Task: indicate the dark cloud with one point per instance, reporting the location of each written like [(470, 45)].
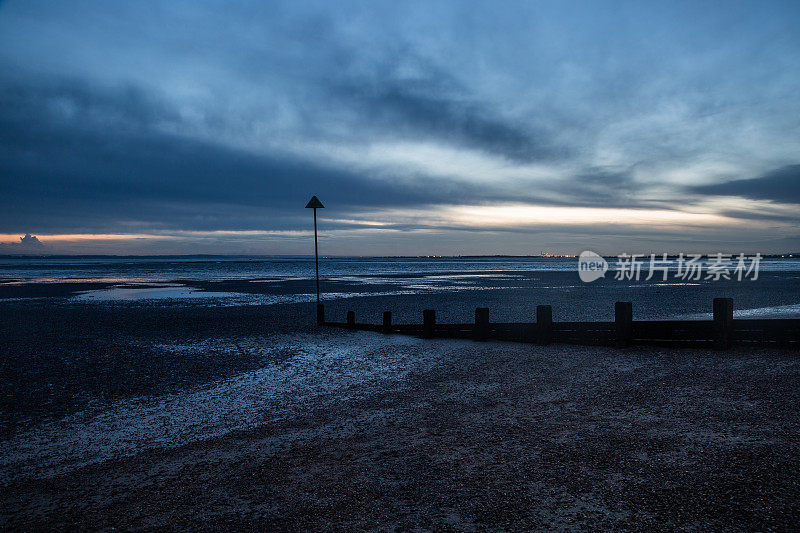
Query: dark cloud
[(602, 187), (80, 159), (73, 161), (761, 215), (417, 109), (781, 185)]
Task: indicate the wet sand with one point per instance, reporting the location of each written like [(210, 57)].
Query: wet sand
[(182, 416)]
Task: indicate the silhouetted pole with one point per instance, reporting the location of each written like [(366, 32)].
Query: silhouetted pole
[(316, 253), (315, 204)]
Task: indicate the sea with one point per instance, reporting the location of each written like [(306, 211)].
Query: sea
[(766, 287)]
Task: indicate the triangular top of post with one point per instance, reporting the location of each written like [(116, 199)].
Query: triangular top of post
[(315, 203)]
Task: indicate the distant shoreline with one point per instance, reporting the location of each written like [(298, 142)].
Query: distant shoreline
[(785, 255)]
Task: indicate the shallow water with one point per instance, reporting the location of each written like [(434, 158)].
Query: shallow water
[(268, 268), (236, 281), (160, 292)]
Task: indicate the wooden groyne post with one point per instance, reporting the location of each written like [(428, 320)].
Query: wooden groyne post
[(429, 323), (544, 324), (623, 323), (481, 328), (722, 332), (320, 314), (723, 322)]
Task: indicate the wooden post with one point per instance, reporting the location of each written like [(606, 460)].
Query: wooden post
[(723, 322), (387, 321), (480, 331), (544, 324), (351, 319), (320, 314), (623, 319), (429, 323)]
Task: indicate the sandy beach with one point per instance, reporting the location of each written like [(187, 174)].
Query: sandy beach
[(272, 423)]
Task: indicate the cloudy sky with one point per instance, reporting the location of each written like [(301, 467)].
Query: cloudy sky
[(425, 127)]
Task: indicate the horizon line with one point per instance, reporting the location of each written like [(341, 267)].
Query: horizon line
[(786, 255)]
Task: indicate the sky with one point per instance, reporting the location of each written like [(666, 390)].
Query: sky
[(426, 128)]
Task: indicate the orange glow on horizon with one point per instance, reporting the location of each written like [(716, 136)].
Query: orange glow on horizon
[(9, 238), (69, 237)]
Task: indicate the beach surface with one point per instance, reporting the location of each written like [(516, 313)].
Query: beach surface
[(186, 416)]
